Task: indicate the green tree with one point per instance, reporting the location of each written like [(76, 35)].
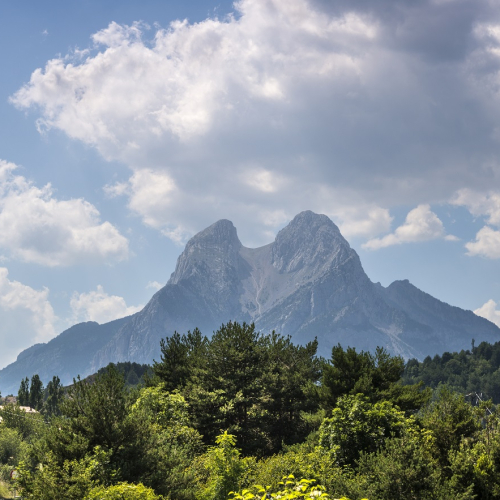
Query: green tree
[(122, 491), (71, 481), (374, 375), (256, 387), (28, 425), (356, 426), (11, 445), (289, 377), (451, 419), (23, 395), (167, 442), (403, 468), (181, 355), (55, 393), (36, 393), (232, 370), (97, 410), (221, 469)]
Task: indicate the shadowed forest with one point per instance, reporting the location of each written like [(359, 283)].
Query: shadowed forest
[(243, 415)]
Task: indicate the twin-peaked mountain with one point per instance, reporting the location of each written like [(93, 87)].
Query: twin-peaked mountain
[(308, 283)]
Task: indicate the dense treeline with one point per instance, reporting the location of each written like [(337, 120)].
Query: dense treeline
[(469, 372), (218, 415)]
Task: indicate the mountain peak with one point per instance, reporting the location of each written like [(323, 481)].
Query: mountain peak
[(217, 245), (309, 239), (221, 232), (308, 216)]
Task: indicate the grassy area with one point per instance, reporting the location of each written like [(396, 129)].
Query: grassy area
[(4, 491)]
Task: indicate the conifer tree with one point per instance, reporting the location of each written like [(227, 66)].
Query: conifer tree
[(36, 393), (23, 395)]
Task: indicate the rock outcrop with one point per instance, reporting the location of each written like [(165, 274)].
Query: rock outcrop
[(308, 283)]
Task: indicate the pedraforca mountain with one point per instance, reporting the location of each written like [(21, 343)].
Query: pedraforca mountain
[(308, 283)]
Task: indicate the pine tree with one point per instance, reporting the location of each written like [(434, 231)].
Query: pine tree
[(23, 395), (55, 393), (36, 393)]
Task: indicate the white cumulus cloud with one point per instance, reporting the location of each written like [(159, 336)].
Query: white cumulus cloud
[(487, 244), (480, 204), (265, 111), (487, 205), (37, 227), (489, 311), (99, 306), (421, 224), (364, 221), (27, 317)]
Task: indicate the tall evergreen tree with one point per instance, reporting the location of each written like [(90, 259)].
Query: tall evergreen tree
[(377, 376), (23, 395), (181, 355), (36, 393), (55, 393), (289, 378)]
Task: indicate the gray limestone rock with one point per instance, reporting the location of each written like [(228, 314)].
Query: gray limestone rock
[(309, 283)]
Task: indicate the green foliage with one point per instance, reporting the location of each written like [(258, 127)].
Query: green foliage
[(133, 373), (31, 394), (23, 395), (94, 414), (161, 407), (465, 371), (289, 377), (72, 481), (475, 465), (374, 375), (180, 357), (168, 443), (122, 491), (289, 489), (220, 469), (302, 461), (381, 439), (403, 468), (36, 393), (255, 387), (451, 419), (356, 426), (11, 445), (28, 425), (98, 410), (5, 491), (55, 394)]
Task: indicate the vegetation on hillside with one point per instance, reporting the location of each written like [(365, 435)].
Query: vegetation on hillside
[(243, 415), (475, 372)]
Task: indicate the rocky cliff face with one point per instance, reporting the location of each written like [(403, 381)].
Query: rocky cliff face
[(308, 283)]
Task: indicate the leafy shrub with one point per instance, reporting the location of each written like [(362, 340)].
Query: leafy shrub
[(356, 426), (288, 489), (123, 491)]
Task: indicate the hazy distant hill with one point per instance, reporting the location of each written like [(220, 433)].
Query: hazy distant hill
[(308, 283)]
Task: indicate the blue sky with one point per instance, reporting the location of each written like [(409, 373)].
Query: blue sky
[(127, 127)]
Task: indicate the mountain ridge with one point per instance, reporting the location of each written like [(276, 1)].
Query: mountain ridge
[(307, 283)]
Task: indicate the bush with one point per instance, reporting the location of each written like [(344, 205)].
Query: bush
[(123, 491), (288, 489), (357, 425)]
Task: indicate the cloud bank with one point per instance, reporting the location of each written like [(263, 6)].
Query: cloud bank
[(25, 311), (345, 108), (486, 205), (421, 224), (490, 312), (37, 227), (99, 306)]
